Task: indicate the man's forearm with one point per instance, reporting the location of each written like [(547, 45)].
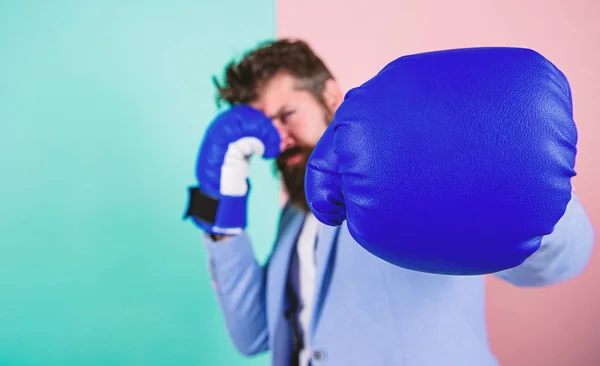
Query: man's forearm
[(239, 285), (563, 254)]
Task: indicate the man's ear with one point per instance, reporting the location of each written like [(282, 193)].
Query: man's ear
[(332, 95)]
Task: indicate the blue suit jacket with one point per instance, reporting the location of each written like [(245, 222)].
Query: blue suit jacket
[(368, 312)]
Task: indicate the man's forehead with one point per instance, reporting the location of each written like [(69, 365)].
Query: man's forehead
[(275, 94)]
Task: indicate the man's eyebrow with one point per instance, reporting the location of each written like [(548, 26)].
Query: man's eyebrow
[(279, 113)]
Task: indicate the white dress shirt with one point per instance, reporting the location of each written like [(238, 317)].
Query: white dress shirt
[(302, 277)]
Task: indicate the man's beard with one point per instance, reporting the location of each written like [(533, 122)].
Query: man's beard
[(293, 175)]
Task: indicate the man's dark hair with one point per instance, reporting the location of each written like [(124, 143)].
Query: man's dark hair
[(243, 80)]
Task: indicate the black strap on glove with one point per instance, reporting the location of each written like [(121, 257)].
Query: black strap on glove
[(201, 206)]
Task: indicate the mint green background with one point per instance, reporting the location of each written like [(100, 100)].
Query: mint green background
[(102, 107)]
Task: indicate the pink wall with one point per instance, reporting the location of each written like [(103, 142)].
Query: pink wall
[(558, 325)]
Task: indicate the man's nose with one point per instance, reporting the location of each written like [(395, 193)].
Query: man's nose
[(286, 140)]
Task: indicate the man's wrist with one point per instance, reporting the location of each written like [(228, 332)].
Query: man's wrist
[(219, 237)]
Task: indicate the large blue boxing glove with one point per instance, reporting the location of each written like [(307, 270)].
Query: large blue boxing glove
[(452, 162), (218, 204)]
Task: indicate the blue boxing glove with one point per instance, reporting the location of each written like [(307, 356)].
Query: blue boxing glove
[(219, 203), (451, 162)]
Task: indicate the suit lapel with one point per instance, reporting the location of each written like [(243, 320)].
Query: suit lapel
[(325, 245), (278, 269)]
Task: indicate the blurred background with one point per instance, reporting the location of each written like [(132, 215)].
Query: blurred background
[(103, 105)]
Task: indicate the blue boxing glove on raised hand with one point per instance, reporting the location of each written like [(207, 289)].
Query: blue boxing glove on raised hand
[(452, 162), (219, 203)]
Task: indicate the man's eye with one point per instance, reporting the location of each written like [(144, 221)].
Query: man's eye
[(286, 115)]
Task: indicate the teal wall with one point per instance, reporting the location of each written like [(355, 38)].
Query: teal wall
[(102, 107)]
